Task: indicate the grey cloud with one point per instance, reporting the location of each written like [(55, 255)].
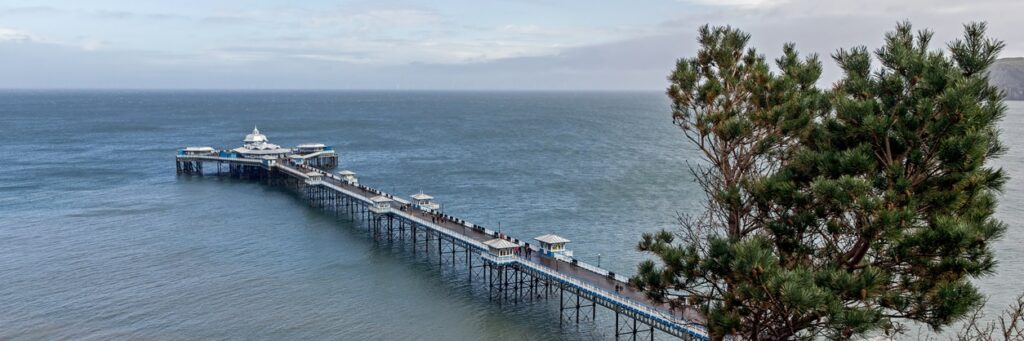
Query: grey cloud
[(640, 63), (29, 10), (98, 14), (226, 20), (105, 14)]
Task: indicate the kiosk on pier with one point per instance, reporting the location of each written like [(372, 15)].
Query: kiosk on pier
[(308, 148), (314, 178), (197, 151), (381, 204), (501, 248), (349, 177), (551, 244), (425, 202)]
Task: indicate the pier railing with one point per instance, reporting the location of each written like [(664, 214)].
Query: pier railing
[(688, 327), (404, 214)]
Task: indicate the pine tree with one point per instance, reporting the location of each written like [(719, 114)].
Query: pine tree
[(834, 214)]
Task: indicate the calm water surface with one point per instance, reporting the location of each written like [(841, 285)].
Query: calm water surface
[(99, 239)]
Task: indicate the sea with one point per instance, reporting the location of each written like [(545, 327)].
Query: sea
[(100, 239)]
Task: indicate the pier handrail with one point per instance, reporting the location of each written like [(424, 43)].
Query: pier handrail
[(420, 221), (636, 305), (312, 155), (460, 237), (218, 158), (488, 255), (692, 327), (592, 268), (294, 171)]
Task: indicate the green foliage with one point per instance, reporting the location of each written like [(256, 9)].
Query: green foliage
[(834, 213)]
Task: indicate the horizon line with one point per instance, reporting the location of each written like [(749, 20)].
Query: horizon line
[(325, 89)]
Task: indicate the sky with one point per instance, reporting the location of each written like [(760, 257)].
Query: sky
[(435, 45)]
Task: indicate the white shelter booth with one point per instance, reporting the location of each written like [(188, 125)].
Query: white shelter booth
[(349, 177), (381, 204), (307, 148), (198, 150), (551, 244), (425, 202), (314, 178), (500, 247)]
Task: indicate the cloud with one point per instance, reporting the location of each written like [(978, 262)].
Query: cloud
[(784, 9), (822, 27), (349, 33), (739, 3), (47, 11), (227, 19), (15, 35), (28, 10), (417, 48), (389, 18)]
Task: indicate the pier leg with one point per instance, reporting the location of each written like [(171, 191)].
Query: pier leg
[(616, 324), (577, 308), (561, 307)]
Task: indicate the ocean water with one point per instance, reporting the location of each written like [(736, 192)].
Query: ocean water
[(100, 239)]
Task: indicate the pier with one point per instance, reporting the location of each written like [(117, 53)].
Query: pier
[(514, 271)]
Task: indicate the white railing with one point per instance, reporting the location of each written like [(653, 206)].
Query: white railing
[(432, 226), (347, 192), (695, 328), (600, 271), (314, 154), (218, 158), (498, 259), (440, 229), (292, 170), (690, 326)]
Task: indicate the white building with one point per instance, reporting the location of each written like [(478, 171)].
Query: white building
[(256, 145), (307, 148), (198, 150), (551, 244), (314, 178), (500, 247), (349, 177), (425, 202), (381, 204)]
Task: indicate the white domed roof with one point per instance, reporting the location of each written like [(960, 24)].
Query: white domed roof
[(255, 137)]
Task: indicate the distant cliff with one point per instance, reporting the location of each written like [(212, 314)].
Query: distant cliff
[(1008, 74)]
